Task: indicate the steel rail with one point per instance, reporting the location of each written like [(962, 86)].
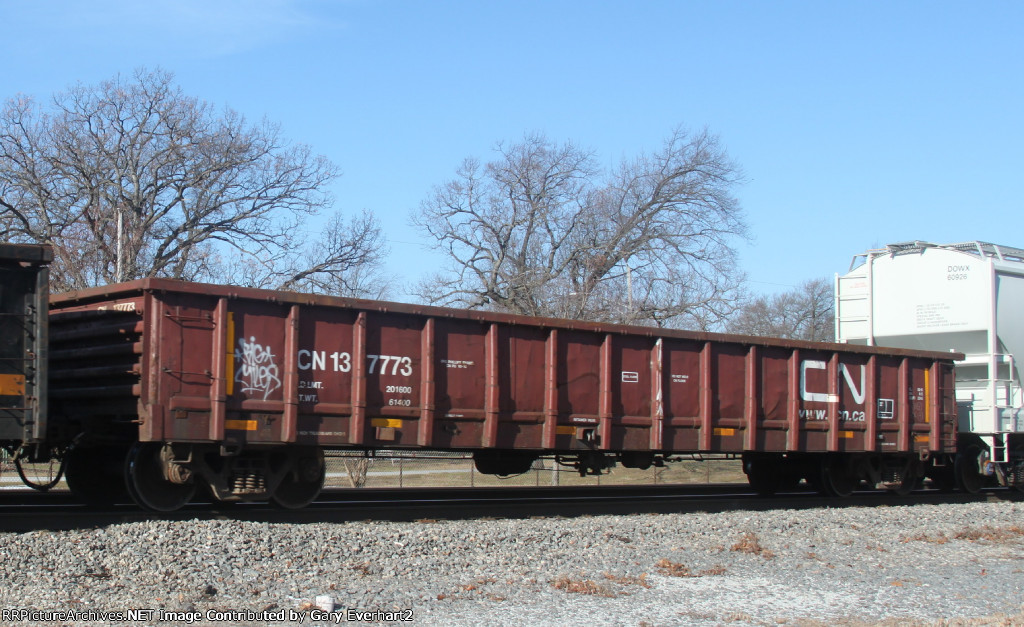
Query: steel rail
[(431, 505)]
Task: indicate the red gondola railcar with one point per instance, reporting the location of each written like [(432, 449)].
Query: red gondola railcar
[(242, 389)]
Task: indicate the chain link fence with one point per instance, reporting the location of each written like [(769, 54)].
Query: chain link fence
[(444, 469)]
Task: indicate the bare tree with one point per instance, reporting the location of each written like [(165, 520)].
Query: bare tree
[(804, 313), (132, 178), (357, 470), (542, 231), (344, 261)]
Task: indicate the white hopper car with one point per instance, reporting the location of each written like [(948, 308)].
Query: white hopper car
[(966, 297)]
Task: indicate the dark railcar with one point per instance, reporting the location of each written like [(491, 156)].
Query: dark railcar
[(242, 389), (23, 296)]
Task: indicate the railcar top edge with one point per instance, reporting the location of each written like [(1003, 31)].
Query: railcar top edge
[(231, 292)]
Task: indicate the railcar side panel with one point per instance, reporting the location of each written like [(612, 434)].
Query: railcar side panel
[(202, 363)]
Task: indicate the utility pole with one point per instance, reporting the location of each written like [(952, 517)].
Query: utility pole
[(119, 266)]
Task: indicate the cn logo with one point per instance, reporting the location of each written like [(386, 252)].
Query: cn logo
[(823, 397)]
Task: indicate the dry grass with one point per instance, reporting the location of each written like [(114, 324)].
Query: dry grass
[(748, 543), (991, 534), (673, 569), (1003, 620), (628, 580), (475, 590), (997, 535), (581, 586)]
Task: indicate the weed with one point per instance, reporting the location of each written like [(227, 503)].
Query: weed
[(581, 586), (673, 569), (1006, 534), (749, 543), (620, 538), (998, 535), (739, 617), (628, 580)]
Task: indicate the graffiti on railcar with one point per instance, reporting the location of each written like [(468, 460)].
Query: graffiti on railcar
[(257, 371)]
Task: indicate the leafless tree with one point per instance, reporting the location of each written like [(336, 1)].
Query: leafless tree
[(344, 261), (541, 230), (131, 178), (357, 469), (804, 313)]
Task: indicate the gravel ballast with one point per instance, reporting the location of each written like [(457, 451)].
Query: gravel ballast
[(906, 564)]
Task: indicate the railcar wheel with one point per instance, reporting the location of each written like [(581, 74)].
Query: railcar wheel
[(764, 484), (764, 476), (95, 475), (907, 479), (835, 478), (1018, 476), (144, 477), (943, 478), (303, 482), (968, 475)]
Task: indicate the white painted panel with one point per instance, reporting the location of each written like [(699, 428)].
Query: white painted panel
[(1010, 318), (933, 291)]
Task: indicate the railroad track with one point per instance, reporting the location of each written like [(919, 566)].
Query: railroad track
[(21, 512)]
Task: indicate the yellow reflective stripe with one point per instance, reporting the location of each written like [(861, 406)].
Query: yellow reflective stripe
[(927, 396), (12, 385), (240, 425), (394, 423)]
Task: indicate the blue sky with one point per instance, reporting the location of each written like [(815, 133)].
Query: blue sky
[(856, 123)]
